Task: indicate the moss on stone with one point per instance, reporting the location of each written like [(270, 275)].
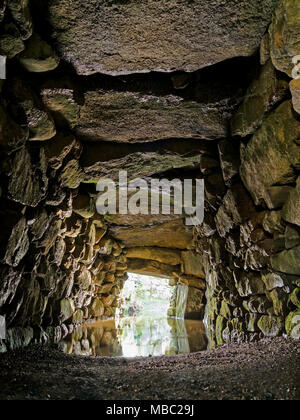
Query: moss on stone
[(270, 326), (220, 326), (292, 324), (67, 309), (225, 310), (279, 299), (295, 297)]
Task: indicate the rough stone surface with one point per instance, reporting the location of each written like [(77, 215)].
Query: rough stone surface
[(272, 153), (270, 326), (39, 56), (154, 35), (291, 209), (138, 161), (135, 117), (295, 90), (20, 11), (62, 104), (151, 268), (287, 261), (167, 235), (284, 35), (261, 96), (11, 43), (192, 264), (28, 184), (166, 256)]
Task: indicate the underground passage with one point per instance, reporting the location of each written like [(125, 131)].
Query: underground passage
[(150, 199)]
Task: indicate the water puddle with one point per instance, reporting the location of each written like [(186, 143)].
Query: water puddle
[(134, 336)]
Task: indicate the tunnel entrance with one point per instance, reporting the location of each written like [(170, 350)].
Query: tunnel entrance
[(144, 324), (146, 297)]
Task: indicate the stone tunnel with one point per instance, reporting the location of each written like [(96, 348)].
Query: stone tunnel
[(177, 89)]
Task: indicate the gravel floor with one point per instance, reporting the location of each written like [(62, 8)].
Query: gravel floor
[(268, 370)]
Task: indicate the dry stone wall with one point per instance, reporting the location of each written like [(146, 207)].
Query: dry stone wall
[(190, 107)]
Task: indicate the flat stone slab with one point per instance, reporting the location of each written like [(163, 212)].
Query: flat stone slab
[(138, 117), (122, 37), (166, 235)]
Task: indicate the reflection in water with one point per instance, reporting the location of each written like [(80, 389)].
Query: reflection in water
[(131, 337)]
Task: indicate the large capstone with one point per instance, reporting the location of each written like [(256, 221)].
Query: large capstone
[(154, 35)]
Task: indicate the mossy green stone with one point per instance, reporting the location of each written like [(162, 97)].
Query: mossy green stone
[(271, 326), (225, 310), (292, 324), (220, 325), (295, 297)]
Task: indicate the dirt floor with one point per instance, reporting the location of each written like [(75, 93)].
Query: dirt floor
[(268, 370)]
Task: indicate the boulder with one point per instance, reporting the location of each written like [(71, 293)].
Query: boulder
[(287, 261), (273, 280), (295, 90), (292, 237), (290, 211), (152, 35), (67, 309), (191, 281), (270, 326), (18, 243), (237, 208), (229, 154), (20, 12), (83, 278), (292, 324), (284, 35), (259, 305), (248, 284), (264, 92), (192, 264), (50, 236), (28, 183), (59, 148), (106, 288), (265, 53), (108, 301), (40, 123), (271, 155), (273, 222), (62, 105), (11, 43), (279, 299), (39, 56), (11, 279), (97, 308), (295, 297), (71, 175)]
